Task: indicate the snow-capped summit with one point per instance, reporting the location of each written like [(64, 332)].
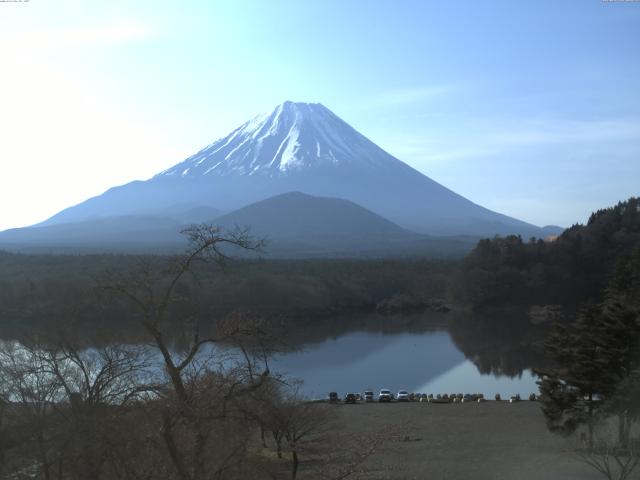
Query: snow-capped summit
[(293, 137)]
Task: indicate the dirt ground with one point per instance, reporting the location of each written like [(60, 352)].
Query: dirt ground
[(491, 440)]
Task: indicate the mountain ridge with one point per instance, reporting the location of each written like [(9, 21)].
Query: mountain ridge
[(295, 224), (306, 148)]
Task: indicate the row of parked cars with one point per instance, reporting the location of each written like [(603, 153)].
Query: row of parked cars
[(385, 395)]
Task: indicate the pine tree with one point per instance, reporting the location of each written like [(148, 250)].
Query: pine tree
[(619, 331), (598, 359), (572, 394)]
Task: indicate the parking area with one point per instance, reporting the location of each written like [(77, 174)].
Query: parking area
[(490, 440)]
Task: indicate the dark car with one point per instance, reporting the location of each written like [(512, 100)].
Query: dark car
[(333, 397), (350, 398)]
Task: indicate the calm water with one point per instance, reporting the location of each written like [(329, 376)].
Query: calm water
[(426, 362), (395, 357)]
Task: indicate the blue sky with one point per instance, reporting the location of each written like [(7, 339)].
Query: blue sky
[(529, 108)]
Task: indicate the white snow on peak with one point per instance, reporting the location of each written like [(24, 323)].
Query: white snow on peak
[(288, 158), (293, 137)]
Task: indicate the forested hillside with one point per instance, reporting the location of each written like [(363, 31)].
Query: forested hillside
[(49, 290), (566, 270)]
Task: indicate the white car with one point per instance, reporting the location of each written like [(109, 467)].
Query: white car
[(368, 396), (385, 395), (403, 396)]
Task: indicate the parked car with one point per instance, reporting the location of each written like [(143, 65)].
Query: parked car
[(403, 396), (350, 398), (439, 399), (333, 397), (385, 395), (368, 395)]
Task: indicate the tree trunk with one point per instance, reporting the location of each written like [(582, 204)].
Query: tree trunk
[(294, 464), (43, 456), (590, 421), (278, 439), (627, 430), (60, 467), (621, 428), (264, 442), (199, 451), (174, 454)]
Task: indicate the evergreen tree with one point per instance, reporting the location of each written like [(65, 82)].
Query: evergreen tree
[(620, 333), (598, 359), (572, 394)]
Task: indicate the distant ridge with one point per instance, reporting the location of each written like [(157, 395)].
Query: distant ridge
[(296, 225)]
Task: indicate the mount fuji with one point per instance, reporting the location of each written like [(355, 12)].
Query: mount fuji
[(297, 147)]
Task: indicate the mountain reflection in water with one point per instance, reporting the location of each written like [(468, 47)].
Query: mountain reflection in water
[(426, 361), (426, 353)]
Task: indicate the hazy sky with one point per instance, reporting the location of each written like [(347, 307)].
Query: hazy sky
[(528, 108)]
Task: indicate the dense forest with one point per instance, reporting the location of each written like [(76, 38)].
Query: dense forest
[(47, 290), (567, 270)]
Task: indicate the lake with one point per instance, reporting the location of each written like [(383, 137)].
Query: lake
[(417, 354), (425, 362)]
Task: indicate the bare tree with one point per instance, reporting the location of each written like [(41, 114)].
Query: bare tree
[(153, 293), (304, 424), (65, 402), (308, 439), (203, 384), (98, 383), (32, 392), (613, 459)]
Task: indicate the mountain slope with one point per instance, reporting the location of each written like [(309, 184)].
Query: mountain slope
[(295, 225), (306, 148), (129, 233), (300, 225), (134, 232), (297, 215)]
